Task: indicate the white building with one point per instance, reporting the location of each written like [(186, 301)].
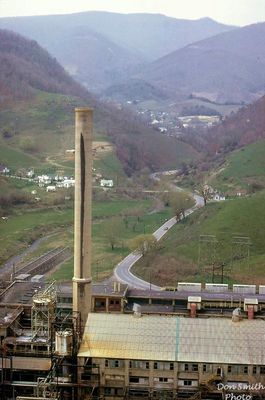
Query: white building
[(219, 197), (44, 179), (106, 182), (30, 173), (50, 188), (68, 183)]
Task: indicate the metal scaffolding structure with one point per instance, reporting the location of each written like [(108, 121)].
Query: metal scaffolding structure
[(43, 312)]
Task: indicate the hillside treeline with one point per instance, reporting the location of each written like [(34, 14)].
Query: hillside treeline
[(240, 128), (25, 67)]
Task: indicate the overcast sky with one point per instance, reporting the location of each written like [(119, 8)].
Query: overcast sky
[(236, 12)]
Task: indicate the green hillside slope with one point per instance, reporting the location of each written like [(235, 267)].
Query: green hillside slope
[(185, 257), (244, 170)]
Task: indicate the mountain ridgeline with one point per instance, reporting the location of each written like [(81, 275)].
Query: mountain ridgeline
[(28, 71), (100, 49), (229, 67), (108, 53)]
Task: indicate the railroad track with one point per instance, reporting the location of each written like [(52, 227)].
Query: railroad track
[(42, 264)]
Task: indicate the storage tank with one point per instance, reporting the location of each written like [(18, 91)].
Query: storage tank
[(250, 289), (64, 342), (189, 287)]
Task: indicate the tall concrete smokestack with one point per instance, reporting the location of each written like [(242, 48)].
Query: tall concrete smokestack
[(83, 195)]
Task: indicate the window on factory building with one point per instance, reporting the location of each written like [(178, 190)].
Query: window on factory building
[(66, 300), (114, 363), (114, 302), (237, 369), (114, 305), (164, 366), (187, 382), (207, 368), (108, 391), (254, 370), (188, 367), (100, 304), (139, 379), (139, 364), (262, 369), (86, 376), (134, 379), (163, 380)]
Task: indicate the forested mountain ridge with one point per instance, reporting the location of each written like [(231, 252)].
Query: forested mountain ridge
[(25, 67), (245, 126), (228, 67)]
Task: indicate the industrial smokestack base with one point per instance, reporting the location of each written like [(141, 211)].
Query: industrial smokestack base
[(83, 203)]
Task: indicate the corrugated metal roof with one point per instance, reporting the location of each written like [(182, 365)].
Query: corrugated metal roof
[(173, 338)]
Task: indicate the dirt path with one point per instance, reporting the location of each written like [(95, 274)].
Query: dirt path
[(55, 164)]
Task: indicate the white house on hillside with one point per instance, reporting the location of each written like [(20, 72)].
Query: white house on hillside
[(67, 183), (44, 180), (50, 189), (106, 182), (219, 197)]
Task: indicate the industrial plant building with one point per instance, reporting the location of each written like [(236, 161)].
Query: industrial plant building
[(135, 343), (110, 341)]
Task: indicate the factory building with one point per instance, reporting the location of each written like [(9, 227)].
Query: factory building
[(84, 341), (136, 344)]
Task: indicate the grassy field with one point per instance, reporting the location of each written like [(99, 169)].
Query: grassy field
[(179, 259), (178, 106), (22, 229), (244, 169), (16, 158), (127, 221), (129, 217)]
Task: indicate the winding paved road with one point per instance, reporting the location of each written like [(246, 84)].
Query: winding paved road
[(122, 271)]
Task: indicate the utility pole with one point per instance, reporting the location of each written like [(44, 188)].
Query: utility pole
[(207, 252), (240, 248), (212, 253)]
